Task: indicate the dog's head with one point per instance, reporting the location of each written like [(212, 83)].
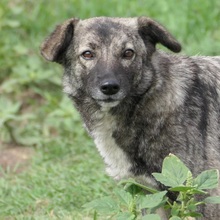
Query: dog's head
[(106, 56)]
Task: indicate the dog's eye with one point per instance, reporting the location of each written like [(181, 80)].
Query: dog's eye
[(88, 55), (128, 54)]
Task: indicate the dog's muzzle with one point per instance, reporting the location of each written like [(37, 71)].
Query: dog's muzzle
[(110, 93)]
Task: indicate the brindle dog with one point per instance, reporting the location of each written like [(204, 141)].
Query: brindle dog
[(140, 104)]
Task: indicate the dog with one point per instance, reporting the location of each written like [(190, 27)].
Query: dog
[(138, 103)]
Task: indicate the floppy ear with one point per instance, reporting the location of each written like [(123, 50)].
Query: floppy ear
[(55, 46), (152, 32)]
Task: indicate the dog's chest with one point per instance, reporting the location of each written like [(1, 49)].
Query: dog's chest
[(118, 165)]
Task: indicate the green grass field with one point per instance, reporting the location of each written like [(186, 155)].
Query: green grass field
[(65, 170)]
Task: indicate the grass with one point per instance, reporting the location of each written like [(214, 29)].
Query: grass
[(66, 170)]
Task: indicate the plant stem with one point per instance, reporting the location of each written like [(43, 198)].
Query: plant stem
[(11, 133)]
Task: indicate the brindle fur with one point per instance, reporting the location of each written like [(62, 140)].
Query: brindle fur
[(165, 103)]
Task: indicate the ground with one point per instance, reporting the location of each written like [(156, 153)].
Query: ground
[(14, 158)]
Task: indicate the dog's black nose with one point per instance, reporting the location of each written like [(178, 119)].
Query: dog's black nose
[(110, 87)]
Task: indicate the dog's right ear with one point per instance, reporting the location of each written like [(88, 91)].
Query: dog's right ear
[(55, 46)]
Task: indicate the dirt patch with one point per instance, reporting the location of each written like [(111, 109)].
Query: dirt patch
[(15, 159)]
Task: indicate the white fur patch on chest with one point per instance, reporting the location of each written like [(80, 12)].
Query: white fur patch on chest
[(118, 165)]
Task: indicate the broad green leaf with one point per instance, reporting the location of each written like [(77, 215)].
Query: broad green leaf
[(133, 189), (151, 217), (125, 197), (21, 49), (175, 218), (125, 216), (174, 172), (199, 191), (175, 209), (12, 23), (192, 207), (105, 205), (164, 179), (132, 181), (192, 214), (181, 188), (207, 179), (212, 200), (152, 200)]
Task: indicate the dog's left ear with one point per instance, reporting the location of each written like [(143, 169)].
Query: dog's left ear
[(152, 32), (55, 46)]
